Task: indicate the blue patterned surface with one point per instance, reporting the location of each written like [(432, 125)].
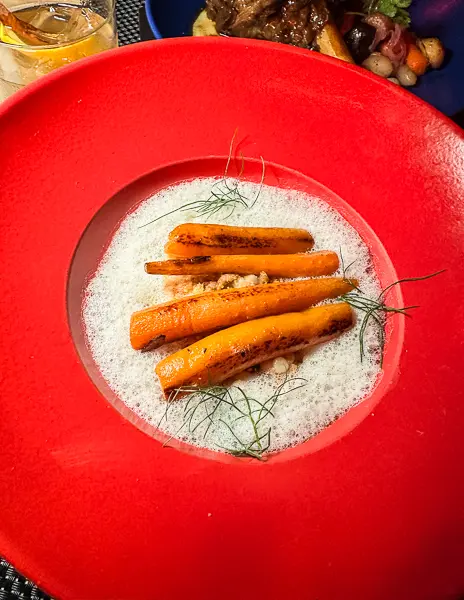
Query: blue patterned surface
[(15, 587)]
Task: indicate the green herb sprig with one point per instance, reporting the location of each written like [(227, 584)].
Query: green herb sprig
[(207, 407), (395, 9), (225, 196)]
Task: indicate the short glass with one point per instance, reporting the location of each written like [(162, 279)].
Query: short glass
[(78, 29)]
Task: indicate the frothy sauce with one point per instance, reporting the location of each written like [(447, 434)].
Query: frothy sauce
[(336, 378)]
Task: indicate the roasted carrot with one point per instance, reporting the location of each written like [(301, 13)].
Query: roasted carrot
[(226, 353), (195, 239), (164, 323), (415, 60), (276, 265)]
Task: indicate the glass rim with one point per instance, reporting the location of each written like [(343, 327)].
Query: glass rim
[(29, 48)]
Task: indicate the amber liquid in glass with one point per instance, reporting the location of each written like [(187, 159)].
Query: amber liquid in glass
[(80, 32)]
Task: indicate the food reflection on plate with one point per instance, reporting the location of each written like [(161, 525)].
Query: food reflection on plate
[(374, 34), (247, 339)]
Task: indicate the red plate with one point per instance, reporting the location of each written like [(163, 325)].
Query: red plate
[(91, 507)]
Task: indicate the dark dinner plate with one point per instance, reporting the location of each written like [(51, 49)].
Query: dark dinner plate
[(444, 88)]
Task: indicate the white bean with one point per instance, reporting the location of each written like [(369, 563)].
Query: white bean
[(405, 76), (379, 64)]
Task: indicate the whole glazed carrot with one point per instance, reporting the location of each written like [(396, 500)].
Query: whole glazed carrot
[(226, 353), (276, 265), (196, 239), (164, 323)]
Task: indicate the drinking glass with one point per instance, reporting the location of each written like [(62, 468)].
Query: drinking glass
[(78, 28)]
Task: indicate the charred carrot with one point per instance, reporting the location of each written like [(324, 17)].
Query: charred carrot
[(164, 323), (415, 60), (195, 239), (276, 265), (226, 353)]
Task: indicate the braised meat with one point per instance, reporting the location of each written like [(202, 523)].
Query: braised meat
[(295, 22)]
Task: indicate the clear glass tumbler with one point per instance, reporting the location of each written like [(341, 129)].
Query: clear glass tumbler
[(74, 30)]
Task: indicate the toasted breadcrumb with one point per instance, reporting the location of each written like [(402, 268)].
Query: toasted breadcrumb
[(186, 285)]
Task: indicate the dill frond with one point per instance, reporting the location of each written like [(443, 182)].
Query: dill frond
[(225, 197), (223, 407), (375, 309)]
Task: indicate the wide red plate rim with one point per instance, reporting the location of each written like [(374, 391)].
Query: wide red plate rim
[(206, 41), (446, 481)]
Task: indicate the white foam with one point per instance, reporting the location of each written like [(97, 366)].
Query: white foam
[(336, 377)]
